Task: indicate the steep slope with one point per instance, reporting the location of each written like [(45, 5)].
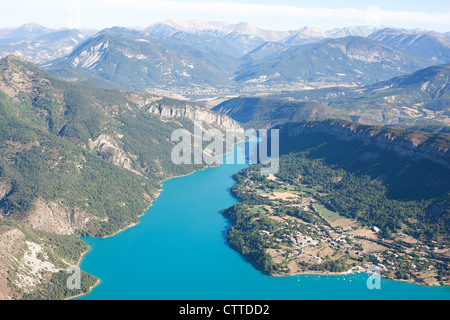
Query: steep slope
[(405, 143), (78, 160), (414, 165), (430, 46), (350, 60), (434, 81)]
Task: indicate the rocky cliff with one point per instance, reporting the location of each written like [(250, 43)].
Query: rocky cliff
[(196, 113), (417, 145)]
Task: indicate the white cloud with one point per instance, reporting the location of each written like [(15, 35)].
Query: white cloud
[(232, 11)]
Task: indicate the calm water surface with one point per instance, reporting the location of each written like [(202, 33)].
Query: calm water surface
[(179, 251)]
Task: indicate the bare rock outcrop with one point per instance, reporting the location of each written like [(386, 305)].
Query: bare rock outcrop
[(55, 217), (107, 144), (5, 188), (23, 263), (195, 113), (12, 242)]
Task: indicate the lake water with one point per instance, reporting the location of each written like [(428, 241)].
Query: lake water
[(179, 252)]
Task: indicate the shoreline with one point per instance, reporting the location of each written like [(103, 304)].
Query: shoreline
[(78, 264), (345, 273), (84, 294), (158, 193), (325, 273), (122, 230)]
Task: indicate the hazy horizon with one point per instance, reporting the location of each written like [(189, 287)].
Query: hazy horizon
[(281, 15), (12, 27)]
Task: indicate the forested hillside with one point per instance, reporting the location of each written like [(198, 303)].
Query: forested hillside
[(79, 160)]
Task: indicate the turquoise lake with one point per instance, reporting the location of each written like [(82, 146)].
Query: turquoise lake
[(179, 252)]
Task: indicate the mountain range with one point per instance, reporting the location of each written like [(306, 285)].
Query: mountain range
[(39, 44), (43, 47), (349, 60), (138, 63), (195, 58)]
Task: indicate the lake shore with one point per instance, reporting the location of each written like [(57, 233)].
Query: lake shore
[(158, 193)]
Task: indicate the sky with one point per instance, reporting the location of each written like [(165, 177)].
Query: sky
[(271, 15)]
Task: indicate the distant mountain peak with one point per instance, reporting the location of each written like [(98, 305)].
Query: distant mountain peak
[(194, 26), (310, 28), (305, 35), (25, 31), (362, 31), (246, 28), (32, 28)]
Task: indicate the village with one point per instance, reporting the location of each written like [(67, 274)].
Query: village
[(303, 237)]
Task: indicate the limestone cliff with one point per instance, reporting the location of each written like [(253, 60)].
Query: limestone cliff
[(417, 145), (196, 113)]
